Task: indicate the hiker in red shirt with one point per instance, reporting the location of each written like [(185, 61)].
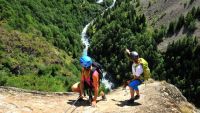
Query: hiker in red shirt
[(88, 81)]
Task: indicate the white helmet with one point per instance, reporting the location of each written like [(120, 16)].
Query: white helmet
[(134, 55)]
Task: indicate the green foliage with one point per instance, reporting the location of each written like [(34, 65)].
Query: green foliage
[(34, 62), (197, 15), (159, 34), (103, 88), (182, 63), (119, 28), (191, 1), (188, 19), (27, 55), (44, 83), (188, 22), (60, 22), (192, 26), (171, 28), (3, 77), (180, 23)]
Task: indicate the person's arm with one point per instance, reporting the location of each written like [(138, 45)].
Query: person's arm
[(128, 51), (96, 87), (133, 71)]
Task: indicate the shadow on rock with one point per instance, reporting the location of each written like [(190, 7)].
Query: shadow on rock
[(79, 103), (125, 103)]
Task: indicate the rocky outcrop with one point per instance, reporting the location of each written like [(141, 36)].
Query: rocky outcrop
[(156, 97)]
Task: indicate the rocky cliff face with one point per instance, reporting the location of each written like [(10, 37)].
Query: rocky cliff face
[(156, 97)]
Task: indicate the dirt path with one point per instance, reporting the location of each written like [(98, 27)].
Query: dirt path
[(155, 97)]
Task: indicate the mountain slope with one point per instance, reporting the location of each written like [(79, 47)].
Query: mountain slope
[(30, 62), (162, 12), (156, 97), (60, 22)]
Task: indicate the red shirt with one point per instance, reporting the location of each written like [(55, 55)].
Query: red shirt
[(95, 77)]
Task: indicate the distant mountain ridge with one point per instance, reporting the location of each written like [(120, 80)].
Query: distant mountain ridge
[(162, 12)]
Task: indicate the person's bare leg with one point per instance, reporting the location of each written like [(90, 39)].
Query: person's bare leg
[(137, 92), (138, 95), (132, 92), (76, 88), (131, 100), (103, 95)]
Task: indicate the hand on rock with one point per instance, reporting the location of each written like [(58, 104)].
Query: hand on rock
[(94, 103)]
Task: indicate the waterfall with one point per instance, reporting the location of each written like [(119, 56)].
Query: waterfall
[(85, 41), (113, 4), (99, 1), (84, 38)]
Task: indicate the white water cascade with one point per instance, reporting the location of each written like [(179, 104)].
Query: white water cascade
[(84, 38), (85, 41), (99, 1)]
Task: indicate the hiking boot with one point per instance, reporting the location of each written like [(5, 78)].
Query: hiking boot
[(104, 97), (131, 101), (136, 97)]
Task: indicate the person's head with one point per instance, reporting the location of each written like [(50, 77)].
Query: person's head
[(135, 56), (86, 62)]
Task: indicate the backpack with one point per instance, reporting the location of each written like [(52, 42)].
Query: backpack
[(96, 66), (146, 70)]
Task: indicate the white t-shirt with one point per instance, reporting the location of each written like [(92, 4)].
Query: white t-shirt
[(137, 70)]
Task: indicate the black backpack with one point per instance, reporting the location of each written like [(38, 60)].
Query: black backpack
[(96, 66)]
